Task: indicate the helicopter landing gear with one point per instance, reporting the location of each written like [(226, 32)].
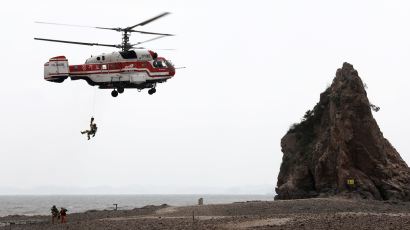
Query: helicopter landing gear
[(120, 90), (152, 91), (114, 93)]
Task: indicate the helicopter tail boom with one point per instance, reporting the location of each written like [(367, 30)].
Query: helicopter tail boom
[(56, 69)]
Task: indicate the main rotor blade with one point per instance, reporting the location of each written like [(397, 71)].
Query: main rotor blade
[(78, 43), (148, 21), (152, 39), (145, 32), (94, 27), (166, 49), (155, 49)]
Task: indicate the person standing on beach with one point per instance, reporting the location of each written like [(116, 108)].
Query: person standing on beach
[(63, 214), (54, 213)]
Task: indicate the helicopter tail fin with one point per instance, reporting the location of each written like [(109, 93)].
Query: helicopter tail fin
[(56, 69)]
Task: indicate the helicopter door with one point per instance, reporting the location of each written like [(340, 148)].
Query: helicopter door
[(138, 77)]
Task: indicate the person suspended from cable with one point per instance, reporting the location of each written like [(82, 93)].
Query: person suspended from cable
[(93, 129)]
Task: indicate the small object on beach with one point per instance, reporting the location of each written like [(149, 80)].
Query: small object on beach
[(116, 207), (350, 184), (201, 201)]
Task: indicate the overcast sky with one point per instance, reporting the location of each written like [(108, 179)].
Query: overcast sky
[(253, 69)]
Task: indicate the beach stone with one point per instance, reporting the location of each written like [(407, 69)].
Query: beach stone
[(338, 149)]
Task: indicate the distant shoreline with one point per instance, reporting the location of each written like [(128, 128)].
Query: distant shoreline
[(31, 205)]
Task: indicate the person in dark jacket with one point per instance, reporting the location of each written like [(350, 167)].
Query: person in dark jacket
[(54, 213), (93, 129)]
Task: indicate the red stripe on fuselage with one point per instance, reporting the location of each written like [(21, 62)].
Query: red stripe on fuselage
[(150, 74)]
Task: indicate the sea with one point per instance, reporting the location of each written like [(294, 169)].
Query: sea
[(40, 204)]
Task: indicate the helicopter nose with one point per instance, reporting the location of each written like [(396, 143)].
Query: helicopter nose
[(171, 70)]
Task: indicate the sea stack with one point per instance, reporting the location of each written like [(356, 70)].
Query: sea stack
[(338, 149)]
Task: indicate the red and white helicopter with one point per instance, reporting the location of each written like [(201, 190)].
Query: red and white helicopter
[(129, 68)]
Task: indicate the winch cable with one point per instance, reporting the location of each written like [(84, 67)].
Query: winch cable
[(93, 105)]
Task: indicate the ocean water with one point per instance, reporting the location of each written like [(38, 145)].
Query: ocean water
[(41, 204)]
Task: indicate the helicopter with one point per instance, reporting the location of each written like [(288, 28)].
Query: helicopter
[(131, 67)]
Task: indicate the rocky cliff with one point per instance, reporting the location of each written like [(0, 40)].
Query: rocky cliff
[(338, 148)]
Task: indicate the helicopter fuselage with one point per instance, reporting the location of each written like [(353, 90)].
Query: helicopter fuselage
[(138, 69)]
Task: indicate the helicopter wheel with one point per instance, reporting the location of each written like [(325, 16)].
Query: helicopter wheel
[(152, 91), (114, 93), (120, 90)]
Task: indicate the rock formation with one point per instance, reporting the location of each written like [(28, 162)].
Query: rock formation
[(338, 148)]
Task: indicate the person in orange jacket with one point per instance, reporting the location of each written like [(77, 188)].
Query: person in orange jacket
[(63, 214)]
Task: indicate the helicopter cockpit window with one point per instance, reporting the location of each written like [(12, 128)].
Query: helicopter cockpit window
[(98, 58), (103, 58), (159, 64), (128, 54)]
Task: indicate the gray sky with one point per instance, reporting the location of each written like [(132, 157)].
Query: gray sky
[(253, 69)]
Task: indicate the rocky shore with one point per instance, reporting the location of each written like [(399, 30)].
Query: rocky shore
[(315, 213)]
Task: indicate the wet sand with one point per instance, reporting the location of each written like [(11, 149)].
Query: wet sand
[(320, 213)]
